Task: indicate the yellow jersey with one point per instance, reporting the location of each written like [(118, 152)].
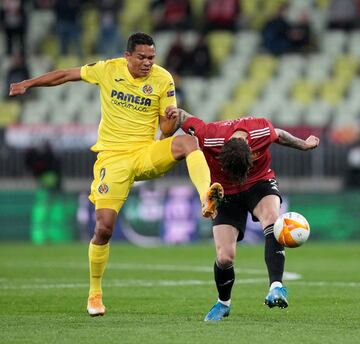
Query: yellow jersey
[(130, 108)]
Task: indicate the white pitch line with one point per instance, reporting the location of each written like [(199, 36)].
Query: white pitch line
[(169, 283), (128, 266), (128, 283), (327, 283)]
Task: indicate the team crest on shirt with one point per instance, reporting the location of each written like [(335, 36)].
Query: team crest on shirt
[(255, 155), (147, 89), (103, 188), (102, 173)]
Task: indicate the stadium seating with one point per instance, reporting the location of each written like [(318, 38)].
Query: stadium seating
[(314, 87), (90, 24), (10, 112), (312, 92), (318, 114), (35, 112), (304, 91), (135, 17), (220, 45), (40, 23), (318, 67)]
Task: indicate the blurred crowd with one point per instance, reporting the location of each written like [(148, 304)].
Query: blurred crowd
[(279, 34)]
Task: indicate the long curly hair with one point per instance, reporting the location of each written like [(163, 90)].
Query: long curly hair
[(236, 159)]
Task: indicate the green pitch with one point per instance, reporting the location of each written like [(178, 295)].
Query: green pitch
[(161, 295)]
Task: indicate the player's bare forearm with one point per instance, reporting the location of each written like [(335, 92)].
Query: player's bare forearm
[(183, 116), (53, 78), (173, 120), (286, 139), (167, 126)]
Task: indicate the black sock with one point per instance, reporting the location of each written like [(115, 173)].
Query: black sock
[(224, 278), (274, 255)]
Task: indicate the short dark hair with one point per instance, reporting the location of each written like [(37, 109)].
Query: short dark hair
[(137, 39), (236, 159)]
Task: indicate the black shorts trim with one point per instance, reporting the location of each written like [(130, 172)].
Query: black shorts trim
[(233, 209)]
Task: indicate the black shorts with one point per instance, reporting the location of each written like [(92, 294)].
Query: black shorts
[(234, 208)]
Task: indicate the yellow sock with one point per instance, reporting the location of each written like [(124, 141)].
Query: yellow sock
[(98, 258), (199, 171)]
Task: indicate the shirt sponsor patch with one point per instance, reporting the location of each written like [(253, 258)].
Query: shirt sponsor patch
[(171, 93)]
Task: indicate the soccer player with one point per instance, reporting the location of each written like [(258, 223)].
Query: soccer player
[(238, 155), (134, 94)]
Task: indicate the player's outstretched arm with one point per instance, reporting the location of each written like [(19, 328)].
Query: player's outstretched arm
[(286, 139), (53, 78), (173, 120)]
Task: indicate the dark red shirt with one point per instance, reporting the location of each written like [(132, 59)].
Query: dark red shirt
[(212, 136)]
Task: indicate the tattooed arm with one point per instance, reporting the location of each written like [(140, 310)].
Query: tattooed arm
[(173, 120), (286, 139)]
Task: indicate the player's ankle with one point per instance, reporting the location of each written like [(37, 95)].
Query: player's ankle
[(275, 284)]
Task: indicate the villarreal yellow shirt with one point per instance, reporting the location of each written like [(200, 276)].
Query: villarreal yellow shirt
[(130, 108)]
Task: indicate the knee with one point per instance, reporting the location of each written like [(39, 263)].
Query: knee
[(103, 232), (183, 145), (269, 218), (189, 144), (225, 260), (102, 235)]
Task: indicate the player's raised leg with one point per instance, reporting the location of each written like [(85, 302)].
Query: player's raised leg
[(199, 172), (211, 200)]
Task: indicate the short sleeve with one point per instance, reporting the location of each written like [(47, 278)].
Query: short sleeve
[(93, 72), (195, 126), (167, 95), (273, 134)]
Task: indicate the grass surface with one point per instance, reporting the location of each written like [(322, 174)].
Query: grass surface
[(161, 295)]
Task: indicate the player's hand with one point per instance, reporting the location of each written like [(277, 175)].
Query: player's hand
[(312, 142), (18, 88), (172, 112)]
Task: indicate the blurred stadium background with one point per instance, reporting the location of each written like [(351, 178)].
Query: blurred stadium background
[(297, 65)]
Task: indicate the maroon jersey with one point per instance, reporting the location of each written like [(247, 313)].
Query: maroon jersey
[(212, 137)]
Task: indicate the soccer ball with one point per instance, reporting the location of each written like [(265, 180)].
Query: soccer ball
[(291, 229)]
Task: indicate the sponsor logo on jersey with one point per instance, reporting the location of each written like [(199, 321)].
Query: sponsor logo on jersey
[(147, 89), (103, 188), (130, 98), (120, 79), (102, 173), (130, 101)]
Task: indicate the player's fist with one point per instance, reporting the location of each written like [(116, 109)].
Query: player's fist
[(17, 89), (312, 142), (171, 112)]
